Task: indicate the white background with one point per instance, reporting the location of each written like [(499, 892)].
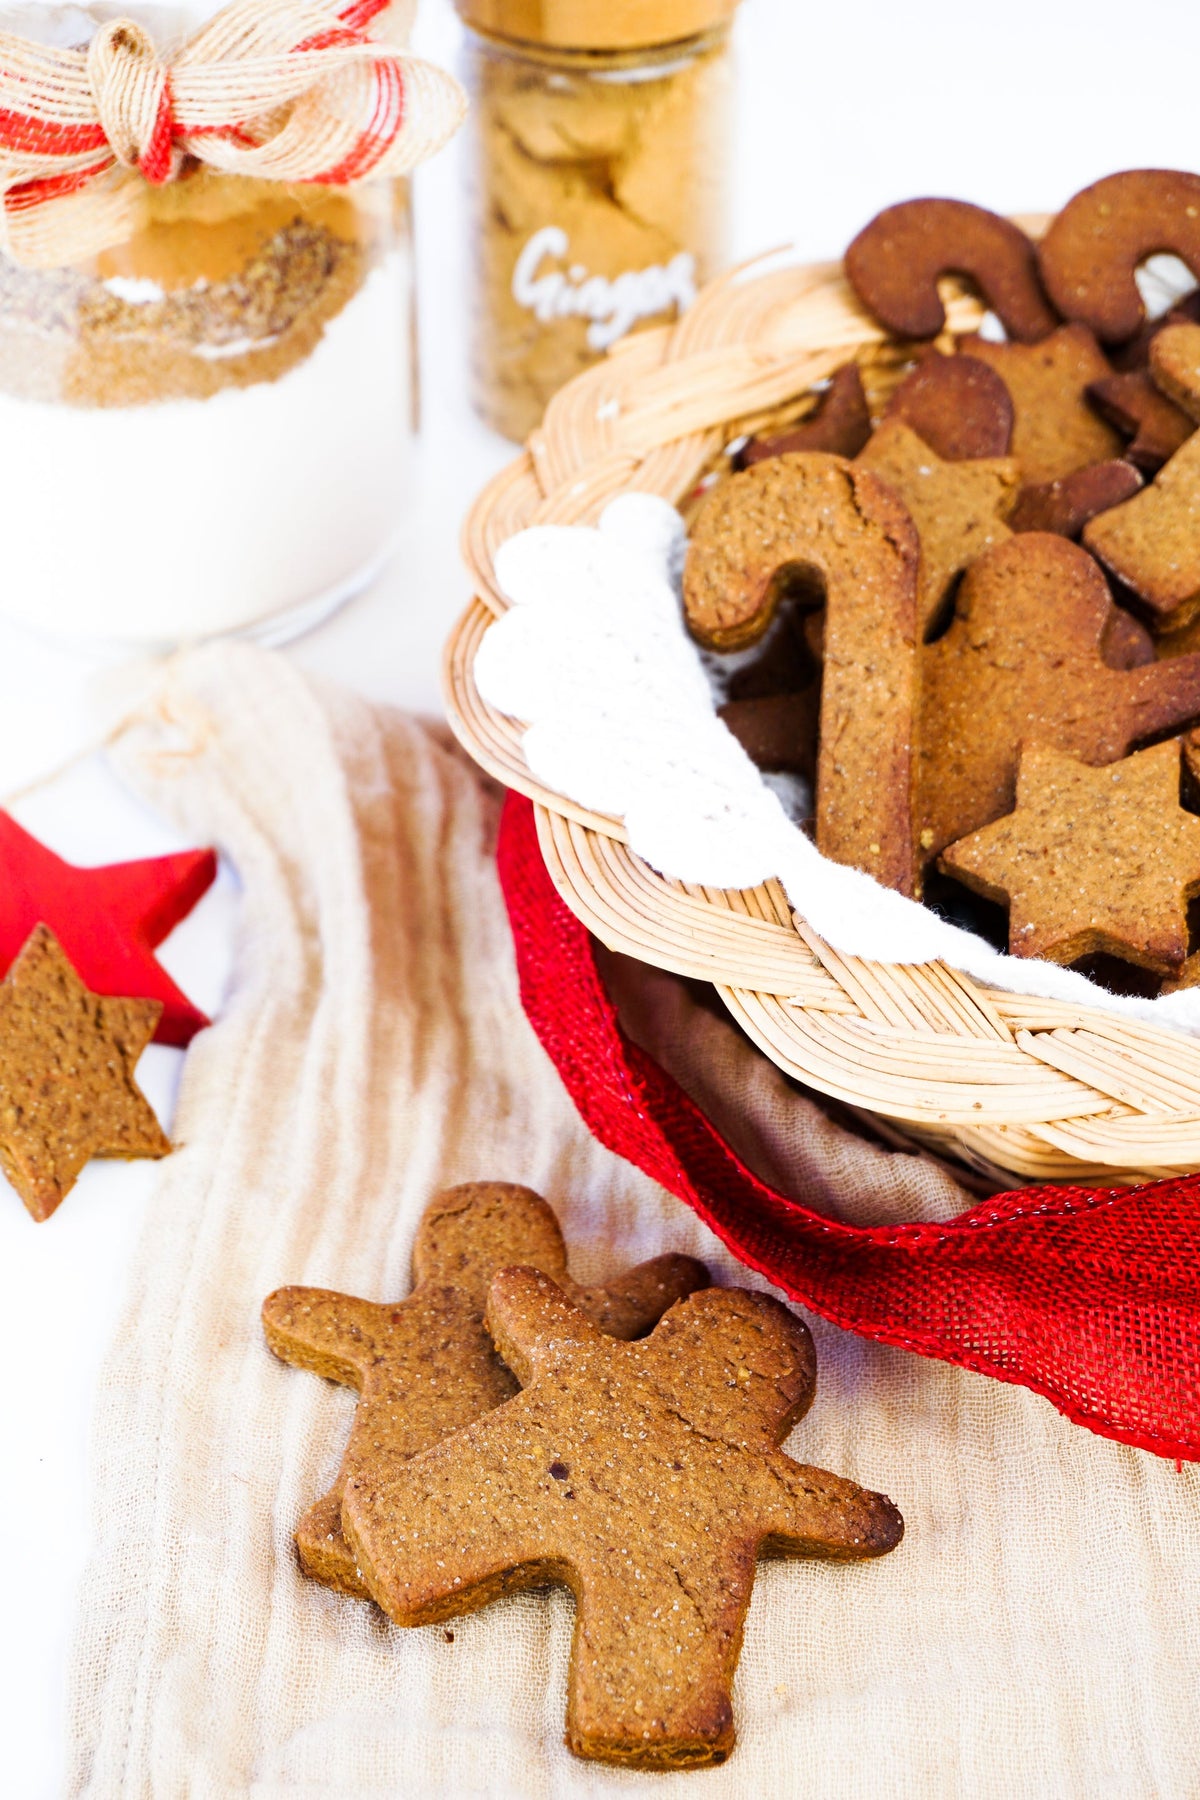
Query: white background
[(844, 108)]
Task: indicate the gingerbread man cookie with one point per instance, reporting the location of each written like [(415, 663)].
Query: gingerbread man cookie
[(1091, 860), (809, 513), (646, 1477), (1023, 662), (425, 1366)]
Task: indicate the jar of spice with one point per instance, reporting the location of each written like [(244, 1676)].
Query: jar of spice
[(206, 384), (600, 160)]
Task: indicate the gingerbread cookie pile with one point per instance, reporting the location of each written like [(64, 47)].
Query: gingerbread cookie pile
[(514, 1429), (976, 596)]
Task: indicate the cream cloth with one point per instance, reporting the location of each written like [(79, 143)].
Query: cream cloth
[(1036, 1633)]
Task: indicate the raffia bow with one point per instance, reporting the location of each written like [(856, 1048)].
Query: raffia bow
[(281, 90)]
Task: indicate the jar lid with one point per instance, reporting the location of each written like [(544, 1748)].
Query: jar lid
[(582, 25)]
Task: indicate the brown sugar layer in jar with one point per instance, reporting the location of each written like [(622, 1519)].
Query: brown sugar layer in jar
[(588, 170), (228, 284)]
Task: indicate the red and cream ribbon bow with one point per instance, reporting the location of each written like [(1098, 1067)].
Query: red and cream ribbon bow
[(281, 90)]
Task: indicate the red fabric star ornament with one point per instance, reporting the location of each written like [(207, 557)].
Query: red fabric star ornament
[(108, 920)]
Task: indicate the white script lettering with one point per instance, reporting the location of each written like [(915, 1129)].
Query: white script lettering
[(613, 305)]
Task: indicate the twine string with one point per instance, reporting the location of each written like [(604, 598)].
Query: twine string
[(280, 90), (129, 85)]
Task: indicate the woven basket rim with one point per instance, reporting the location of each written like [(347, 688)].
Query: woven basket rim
[(1010, 1084)]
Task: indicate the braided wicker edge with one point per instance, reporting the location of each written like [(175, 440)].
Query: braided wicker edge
[(1008, 1084)]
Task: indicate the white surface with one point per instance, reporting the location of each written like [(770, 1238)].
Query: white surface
[(852, 107)]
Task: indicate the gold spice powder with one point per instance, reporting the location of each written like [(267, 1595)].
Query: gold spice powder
[(228, 283), (599, 204)]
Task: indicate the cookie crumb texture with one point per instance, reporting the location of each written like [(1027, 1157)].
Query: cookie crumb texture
[(599, 201), (648, 1478)]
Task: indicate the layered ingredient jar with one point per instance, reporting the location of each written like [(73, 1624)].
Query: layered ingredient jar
[(600, 160), (207, 404)]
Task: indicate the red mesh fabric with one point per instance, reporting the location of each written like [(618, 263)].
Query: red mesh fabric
[(1089, 1297)]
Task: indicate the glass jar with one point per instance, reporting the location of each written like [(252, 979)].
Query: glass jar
[(600, 145), (207, 424)]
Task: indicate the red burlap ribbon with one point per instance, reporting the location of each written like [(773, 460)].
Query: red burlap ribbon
[(1089, 1297)]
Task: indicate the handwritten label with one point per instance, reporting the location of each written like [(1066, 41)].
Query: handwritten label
[(613, 304)]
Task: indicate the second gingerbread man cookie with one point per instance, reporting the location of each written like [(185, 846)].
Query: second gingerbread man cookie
[(425, 1366), (647, 1477), (1023, 662)]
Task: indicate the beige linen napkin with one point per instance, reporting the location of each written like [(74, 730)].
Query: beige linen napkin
[(1037, 1633)]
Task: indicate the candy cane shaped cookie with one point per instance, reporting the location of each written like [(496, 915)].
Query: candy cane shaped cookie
[(1091, 252), (810, 514), (894, 263)]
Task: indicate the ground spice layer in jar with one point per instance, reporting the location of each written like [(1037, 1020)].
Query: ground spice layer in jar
[(231, 282), (599, 182)]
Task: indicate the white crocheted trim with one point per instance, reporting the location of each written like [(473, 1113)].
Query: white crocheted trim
[(594, 657)]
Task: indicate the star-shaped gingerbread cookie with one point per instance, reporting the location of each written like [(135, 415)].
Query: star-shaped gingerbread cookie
[(1091, 859), (958, 508), (425, 1366), (1054, 428), (1024, 663), (648, 1478), (67, 1088), (108, 920)]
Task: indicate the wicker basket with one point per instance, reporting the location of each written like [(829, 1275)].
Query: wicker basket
[(1009, 1085)]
